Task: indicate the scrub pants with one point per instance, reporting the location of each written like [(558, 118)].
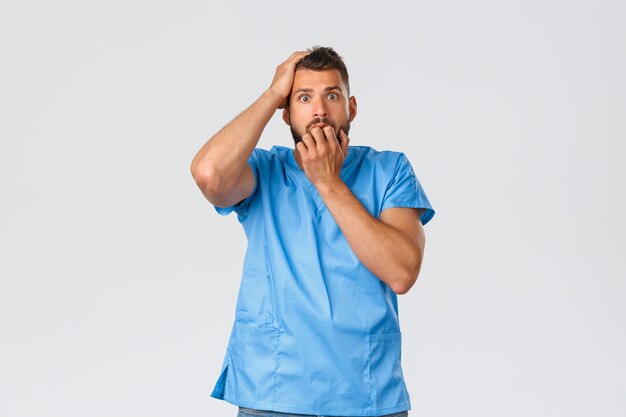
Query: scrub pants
[(249, 412)]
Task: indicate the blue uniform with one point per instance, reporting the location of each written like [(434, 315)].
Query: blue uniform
[(315, 332)]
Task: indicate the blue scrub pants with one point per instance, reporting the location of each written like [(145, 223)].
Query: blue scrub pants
[(248, 412)]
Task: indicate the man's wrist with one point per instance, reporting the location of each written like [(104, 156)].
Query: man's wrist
[(327, 189), (273, 96)]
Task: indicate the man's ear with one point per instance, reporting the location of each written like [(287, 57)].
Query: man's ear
[(352, 107), (286, 116)]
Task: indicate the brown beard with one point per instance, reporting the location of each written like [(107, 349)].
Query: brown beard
[(297, 137)]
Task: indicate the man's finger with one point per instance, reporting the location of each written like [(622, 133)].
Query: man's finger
[(301, 146), (344, 140), (309, 143), (318, 136), (331, 137), (298, 55)]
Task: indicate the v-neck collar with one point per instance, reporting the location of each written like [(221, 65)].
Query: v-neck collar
[(287, 156)]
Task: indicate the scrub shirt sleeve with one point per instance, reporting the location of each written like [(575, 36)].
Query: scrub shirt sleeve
[(241, 208), (405, 190)]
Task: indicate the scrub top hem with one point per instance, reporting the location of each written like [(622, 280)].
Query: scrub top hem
[(288, 408)]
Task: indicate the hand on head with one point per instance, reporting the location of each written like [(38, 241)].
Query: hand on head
[(283, 78)]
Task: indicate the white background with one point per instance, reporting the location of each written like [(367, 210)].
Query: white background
[(119, 281)]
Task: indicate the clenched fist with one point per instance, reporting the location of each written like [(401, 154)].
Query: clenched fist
[(322, 154)]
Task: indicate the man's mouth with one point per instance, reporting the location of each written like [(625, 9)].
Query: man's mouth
[(321, 123)]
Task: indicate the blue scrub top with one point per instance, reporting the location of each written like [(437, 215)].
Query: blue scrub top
[(315, 332)]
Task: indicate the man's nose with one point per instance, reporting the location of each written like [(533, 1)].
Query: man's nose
[(319, 108)]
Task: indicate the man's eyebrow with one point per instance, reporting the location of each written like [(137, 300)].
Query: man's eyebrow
[(310, 90)]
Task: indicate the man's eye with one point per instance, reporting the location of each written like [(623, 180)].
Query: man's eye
[(304, 98), (332, 96)]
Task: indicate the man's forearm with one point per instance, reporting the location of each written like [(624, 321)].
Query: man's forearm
[(225, 155), (384, 250)]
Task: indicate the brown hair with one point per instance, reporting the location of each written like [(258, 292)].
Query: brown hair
[(324, 58)]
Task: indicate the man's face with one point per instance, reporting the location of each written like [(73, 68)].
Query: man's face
[(318, 98)]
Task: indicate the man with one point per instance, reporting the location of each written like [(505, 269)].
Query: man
[(334, 233)]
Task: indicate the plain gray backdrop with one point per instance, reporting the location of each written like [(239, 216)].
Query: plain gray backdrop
[(119, 281)]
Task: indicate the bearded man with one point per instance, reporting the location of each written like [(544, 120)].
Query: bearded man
[(334, 235)]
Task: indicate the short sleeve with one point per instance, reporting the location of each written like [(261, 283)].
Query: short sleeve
[(241, 208), (405, 190)]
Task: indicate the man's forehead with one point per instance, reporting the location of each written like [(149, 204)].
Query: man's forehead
[(310, 79)]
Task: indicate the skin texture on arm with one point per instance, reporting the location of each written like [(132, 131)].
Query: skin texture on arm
[(221, 167), (391, 247)]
